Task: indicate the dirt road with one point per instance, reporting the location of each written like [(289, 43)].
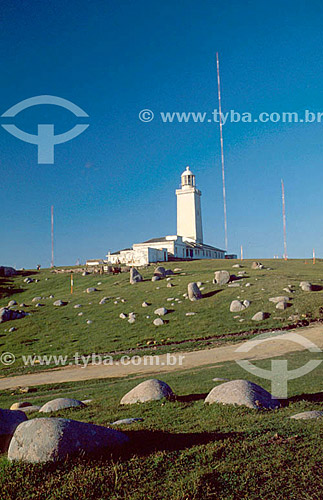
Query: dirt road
[(283, 343)]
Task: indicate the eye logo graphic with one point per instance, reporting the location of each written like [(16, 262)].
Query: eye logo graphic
[(279, 373), (45, 139)]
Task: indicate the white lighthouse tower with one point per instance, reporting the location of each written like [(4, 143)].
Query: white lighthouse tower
[(189, 216)]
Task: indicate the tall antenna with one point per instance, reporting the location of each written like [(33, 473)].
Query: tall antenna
[(222, 156), (52, 235), (284, 220)]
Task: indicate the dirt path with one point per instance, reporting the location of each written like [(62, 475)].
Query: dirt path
[(282, 344)]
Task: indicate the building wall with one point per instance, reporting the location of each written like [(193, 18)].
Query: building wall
[(139, 256)]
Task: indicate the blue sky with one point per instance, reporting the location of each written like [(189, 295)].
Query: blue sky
[(114, 185)]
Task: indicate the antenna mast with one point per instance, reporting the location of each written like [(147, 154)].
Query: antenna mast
[(284, 220), (222, 156), (52, 235)]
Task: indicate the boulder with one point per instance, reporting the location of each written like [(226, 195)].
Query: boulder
[(145, 304), (91, 289), (306, 415), (7, 314), (237, 306), (122, 316), (155, 278), (282, 305), (193, 291), (158, 322), (169, 272), (12, 303), (9, 421), (160, 271), (221, 277), (103, 301), (242, 393), (257, 265), (306, 286), (281, 298), (30, 409), (127, 421), (135, 276), (19, 405), (150, 390), (60, 404), (44, 440), (259, 316), (59, 303), (161, 311)]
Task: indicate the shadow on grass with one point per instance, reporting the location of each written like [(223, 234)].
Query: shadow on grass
[(5, 291), (210, 294), (188, 398), (311, 398)]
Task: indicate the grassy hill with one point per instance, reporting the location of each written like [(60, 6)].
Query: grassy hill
[(59, 330)]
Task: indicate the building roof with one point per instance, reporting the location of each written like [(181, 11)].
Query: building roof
[(119, 251), (156, 240)]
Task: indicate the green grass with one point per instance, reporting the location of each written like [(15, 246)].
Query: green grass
[(184, 449), (51, 330)]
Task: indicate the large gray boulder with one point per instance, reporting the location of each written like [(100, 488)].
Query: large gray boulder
[(160, 271), (193, 291), (7, 314), (43, 440), (161, 311), (221, 277), (260, 316), (150, 390), (60, 404), (9, 421), (135, 276), (242, 393)]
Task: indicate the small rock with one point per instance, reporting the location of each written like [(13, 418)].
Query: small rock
[(221, 277), (122, 316), (145, 304), (158, 322), (161, 311), (306, 415), (91, 289), (237, 306), (193, 292), (259, 316), (59, 303)]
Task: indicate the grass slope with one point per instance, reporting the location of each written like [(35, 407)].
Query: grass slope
[(51, 330)]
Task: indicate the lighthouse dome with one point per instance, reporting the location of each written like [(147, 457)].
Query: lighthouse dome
[(187, 178)]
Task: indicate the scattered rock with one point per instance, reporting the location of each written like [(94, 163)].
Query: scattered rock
[(155, 278), (161, 311), (12, 303), (306, 286), (127, 421), (150, 390), (77, 306), (60, 404), (242, 393), (89, 322), (59, 303), (282, 298), (103, 301), (221, 277), (7, 314), (237, 306), (36, 299), (158, 322), (135, 276), (160, 271), (91, 289), (190, 314), (193, 292), (282, 305), (122, 316), (170, 285), (169, 272), (43, 440), (260, 316), (19, 405), (145, 304), (257, 265), (308, 415), (236, 265)]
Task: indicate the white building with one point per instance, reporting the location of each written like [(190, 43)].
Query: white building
[(186, 244)]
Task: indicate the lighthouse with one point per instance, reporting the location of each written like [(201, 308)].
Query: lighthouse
[(189, 216)]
